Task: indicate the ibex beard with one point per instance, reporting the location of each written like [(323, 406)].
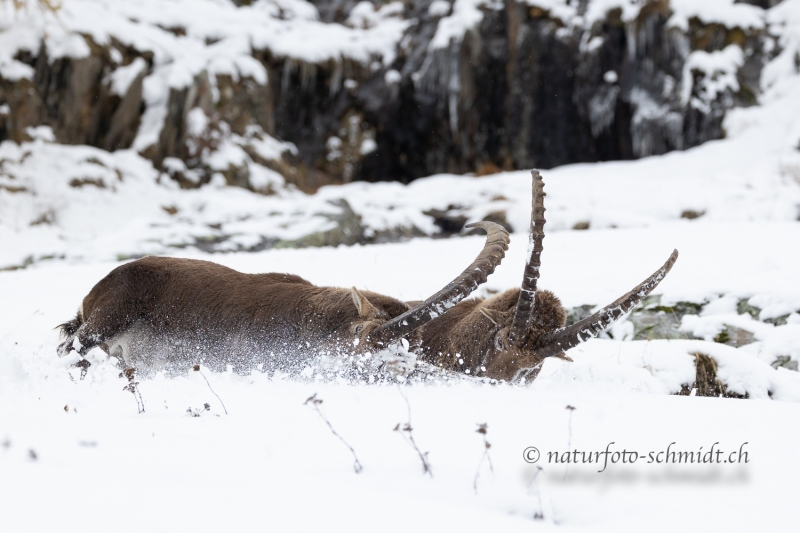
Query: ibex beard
[(165, 313)]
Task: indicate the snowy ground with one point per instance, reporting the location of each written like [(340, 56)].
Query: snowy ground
[(75, 455), (272, 462)]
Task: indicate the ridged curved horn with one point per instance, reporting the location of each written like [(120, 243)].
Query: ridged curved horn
[(493, 252), (565, 338), (527, 294)]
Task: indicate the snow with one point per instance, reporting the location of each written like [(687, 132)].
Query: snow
[(466, 14), (392, 77), (122, 77), (719, 68), (726, 12), (439, 8), (365, 16), (729, 13)]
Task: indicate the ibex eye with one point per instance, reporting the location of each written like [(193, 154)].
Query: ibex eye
[(358, 329)]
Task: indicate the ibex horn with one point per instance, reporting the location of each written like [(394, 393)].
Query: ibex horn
[(493, 252), (527, 294), (563, 339)]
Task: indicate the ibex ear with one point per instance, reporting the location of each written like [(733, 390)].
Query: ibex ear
[(497, 317), (363, 306)]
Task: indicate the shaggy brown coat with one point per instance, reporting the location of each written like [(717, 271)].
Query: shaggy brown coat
[(472, 337), (168, 303)]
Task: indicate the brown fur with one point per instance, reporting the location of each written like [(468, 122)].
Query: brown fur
[(207, 305), (465, 338), (185, 311)]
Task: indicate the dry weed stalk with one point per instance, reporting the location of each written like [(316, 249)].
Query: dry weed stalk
[(314, 404), (195, 413), (133, 387), (483, 429), (538, 515), (407, 432), (197, 369)]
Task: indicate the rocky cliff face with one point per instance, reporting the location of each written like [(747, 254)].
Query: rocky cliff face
[(528, 87), (471, 86)]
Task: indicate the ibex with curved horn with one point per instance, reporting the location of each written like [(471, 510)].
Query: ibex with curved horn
[(160, 312), (190, 311), (509, 335)]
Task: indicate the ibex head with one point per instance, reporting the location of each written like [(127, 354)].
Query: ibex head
[(504, 358), (509, 335)]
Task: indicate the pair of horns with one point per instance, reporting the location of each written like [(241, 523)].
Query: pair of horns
[(497, 240), (494, 250), (560, 340)]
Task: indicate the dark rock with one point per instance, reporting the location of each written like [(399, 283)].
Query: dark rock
[(744, 307), (654, 321), (499, 217), (348, 230), (125, 118), (778, 320), (335, 10), (786, 362), (479, 104), (651, 325), (577, 314), (764, 4), (72, 97), (736, 337), (449, 221), (679, 309)]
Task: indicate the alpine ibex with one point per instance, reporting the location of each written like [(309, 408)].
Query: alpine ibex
[(164, 312)]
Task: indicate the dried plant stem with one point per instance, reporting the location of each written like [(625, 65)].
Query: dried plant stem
[(133, 387), (407, 432), (197, 369), (539, 515), (483, 429), (314, 404)]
